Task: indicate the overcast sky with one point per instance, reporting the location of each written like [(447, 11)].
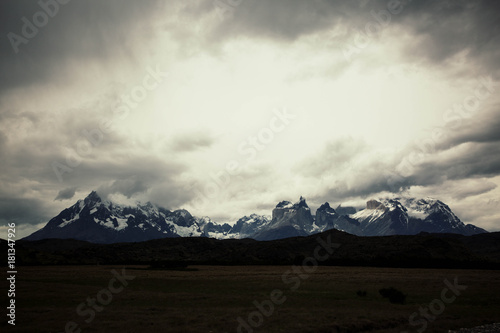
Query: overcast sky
[(226, 108)]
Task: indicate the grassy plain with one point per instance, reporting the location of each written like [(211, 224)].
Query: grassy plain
[(211, 298)]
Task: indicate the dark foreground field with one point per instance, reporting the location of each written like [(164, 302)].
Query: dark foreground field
[(211, 298)]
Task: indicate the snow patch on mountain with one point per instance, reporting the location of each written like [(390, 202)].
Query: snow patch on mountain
[(192, 231), (67, 222), (369, 215)]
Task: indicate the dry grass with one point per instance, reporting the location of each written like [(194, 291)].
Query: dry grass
[(211, 298)]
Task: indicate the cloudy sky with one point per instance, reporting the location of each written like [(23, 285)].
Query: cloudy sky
[(227, 107)]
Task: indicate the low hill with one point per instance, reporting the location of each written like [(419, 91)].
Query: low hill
[(422, 250)]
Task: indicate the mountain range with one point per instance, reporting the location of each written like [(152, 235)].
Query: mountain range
[(102, 221)]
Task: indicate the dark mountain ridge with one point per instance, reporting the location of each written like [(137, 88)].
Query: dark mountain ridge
[(422, 250)]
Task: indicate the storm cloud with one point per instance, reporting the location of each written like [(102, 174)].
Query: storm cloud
[(388, 98)]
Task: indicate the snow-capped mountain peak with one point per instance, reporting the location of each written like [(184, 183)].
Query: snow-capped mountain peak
[(102, 221), (96, 220), (409, 216)]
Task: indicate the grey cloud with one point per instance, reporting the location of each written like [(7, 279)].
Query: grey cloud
[(475, 160), (33, 152), (158, 180), (466, 148), (80, 30), (477, 140), (440, 29), (375, 181), (23, 210), (288, 20), (336, 155), (470, 190), (3, 142), (279, 19), (66, 193), (172, 194), (191, 141), (128, 187), (478, 160), (131, 176), (446, 28), (347, 163), (117, 160), (483, 127), (97, 29)]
